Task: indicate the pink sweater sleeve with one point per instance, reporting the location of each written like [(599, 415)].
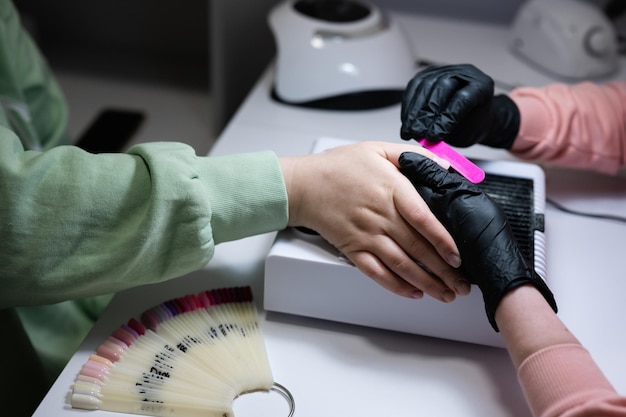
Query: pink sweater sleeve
[(577, 126), (564, 381)]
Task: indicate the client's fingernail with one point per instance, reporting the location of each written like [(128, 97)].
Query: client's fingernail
[(462, 287), (454, 260), (417, 294), (443, 163), (447, 296)]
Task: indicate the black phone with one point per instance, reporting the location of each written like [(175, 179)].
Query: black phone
[(111, 130)]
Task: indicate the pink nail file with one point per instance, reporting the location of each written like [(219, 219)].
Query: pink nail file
[(460, 163)]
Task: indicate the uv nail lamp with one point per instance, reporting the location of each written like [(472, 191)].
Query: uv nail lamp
[(306, 276), (339, 55)]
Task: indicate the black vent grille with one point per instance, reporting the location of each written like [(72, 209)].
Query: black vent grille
[(516, 197)]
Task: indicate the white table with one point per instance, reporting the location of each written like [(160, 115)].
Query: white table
[(337, 369)]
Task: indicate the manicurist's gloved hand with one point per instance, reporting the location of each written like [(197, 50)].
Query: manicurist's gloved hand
[(491, 256), (456, 104)]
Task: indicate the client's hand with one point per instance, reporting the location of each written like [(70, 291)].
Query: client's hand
[(355, 197), (491, 257)]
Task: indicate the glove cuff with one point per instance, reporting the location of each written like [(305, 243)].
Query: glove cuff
[(506, 122), (491, 303)]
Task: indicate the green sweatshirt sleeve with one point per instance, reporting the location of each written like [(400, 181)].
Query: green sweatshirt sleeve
[(75, 224), (31, 102)]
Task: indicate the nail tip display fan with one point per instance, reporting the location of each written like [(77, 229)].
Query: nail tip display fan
[(189, 356)]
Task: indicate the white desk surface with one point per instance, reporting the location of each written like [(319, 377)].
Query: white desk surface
[(337, 369)]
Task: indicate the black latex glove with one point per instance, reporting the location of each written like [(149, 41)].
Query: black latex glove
[(491, 256), (456, 104)]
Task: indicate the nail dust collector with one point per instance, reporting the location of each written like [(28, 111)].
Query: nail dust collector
[(306, 276), (339, 55)]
